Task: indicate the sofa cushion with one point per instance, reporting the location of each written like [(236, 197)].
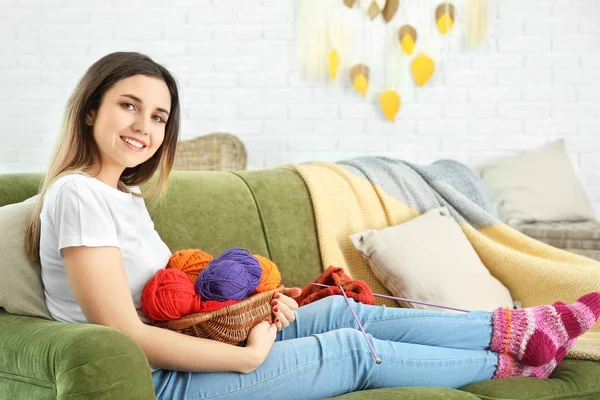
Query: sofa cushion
[(572, 379), (408, 393), (267, 212), (430, 259), (208, 210), (55, 360), (15, 188), (21, 290), (537, 185), (286, 213)]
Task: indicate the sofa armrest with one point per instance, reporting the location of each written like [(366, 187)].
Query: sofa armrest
[(48, 359), (577, 237)]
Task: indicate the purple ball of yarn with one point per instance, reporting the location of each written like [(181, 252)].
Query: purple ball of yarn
[(231, 276)]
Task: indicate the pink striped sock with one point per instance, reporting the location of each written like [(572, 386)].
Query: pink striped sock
[(564, 349), (534, 335), (510, 366)]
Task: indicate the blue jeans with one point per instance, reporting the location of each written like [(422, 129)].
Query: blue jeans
[(323, 353)]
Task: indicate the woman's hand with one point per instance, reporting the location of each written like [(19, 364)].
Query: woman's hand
[(284, 307), (259, 342)]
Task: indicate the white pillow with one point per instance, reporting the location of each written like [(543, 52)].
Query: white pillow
[(430, 259), (537, 185)]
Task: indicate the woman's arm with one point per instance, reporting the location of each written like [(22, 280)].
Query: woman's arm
[(99, 283)]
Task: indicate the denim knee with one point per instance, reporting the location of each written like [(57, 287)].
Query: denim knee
[(335, 300), (352, 338)]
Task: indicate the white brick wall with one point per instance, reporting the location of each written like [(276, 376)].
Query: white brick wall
[(536, 78)]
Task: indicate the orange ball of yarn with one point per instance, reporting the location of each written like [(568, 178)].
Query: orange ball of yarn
[(271, 277), (190, 261), (169, 295)]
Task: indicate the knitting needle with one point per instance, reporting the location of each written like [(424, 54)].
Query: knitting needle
[(406, 300), (377, 359)]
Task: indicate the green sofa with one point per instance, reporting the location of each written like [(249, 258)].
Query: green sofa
[(268, 212)]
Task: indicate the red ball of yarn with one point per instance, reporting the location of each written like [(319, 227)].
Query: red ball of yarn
[(213, 305), (170, 295)]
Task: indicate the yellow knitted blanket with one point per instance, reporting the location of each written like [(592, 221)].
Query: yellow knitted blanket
[(375, 192)]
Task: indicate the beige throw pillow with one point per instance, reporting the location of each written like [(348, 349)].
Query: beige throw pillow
[(538, 185), (21, 289), (429, 259)]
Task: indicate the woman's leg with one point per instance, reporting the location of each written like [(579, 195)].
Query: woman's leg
[(472, 331), (330, 364)]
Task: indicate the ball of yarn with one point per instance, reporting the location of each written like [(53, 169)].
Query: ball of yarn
[(169, 295), (231, 276), (190, 261), (271, 277), (213, 305)]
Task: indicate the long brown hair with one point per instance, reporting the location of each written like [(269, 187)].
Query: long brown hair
[(76, 150)]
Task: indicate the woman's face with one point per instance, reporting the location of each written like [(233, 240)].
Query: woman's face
[(129, 126)]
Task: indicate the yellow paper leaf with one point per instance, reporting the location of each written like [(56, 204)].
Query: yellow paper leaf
[(444, 17), (445, 24), (408, 45), (334, 63), (422, 68), (390, 104), (359, 76), (361, 84), (408, 39)]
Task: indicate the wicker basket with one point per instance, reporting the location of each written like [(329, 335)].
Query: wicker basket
[(230, 324), (214, 152)]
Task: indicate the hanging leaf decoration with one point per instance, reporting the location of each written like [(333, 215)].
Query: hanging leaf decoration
[(388, 12), (334, 63), (373, 10), (408, 39), (422, 67), (415, 62), (339, 34), (390, 104), (444, 17), (359, 76)]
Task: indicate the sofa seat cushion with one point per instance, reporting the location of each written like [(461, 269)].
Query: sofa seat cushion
[(572, 379), (584, 235), (408, 393)]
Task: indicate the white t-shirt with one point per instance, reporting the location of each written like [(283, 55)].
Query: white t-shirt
[(80, 210)]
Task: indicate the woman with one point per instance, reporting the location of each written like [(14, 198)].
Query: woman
[(95, 241)]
